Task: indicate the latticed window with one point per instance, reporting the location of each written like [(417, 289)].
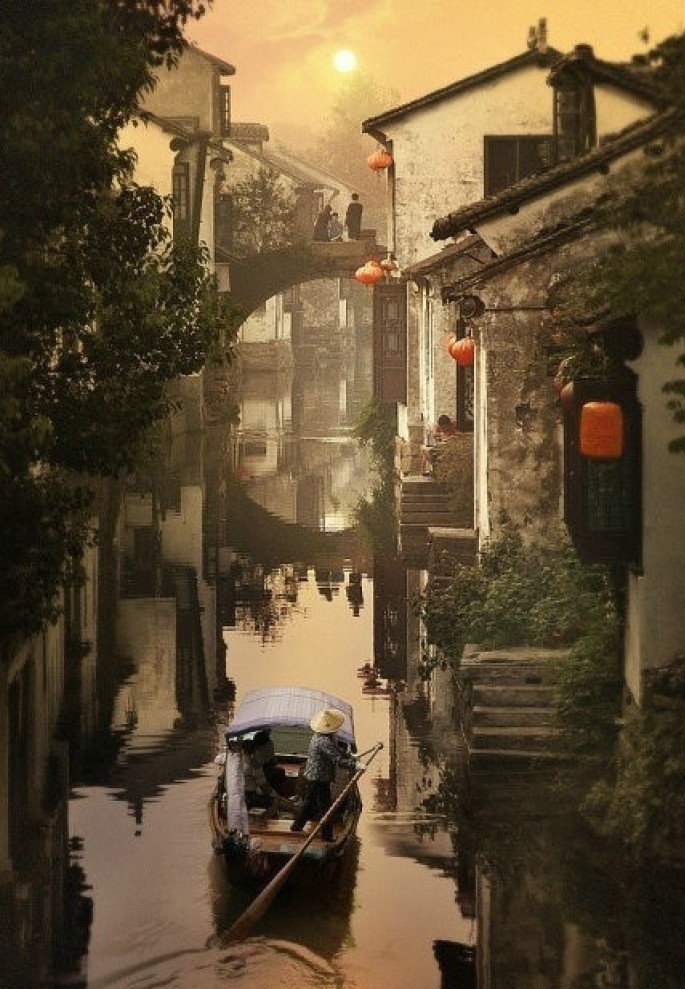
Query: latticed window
[(575, 128), (181, 199), (225, 111)]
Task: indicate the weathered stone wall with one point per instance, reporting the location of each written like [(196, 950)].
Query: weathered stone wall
[(655, 630), (521, 438)]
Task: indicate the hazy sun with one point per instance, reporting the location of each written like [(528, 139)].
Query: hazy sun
[(344, 60)]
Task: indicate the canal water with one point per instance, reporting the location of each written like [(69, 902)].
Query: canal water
[(161, 900), (292, 596), (242, 564)]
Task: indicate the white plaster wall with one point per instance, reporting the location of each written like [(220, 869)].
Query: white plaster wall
[(656, 615), (206, 232), (186, 90), (438, 151), (155, 159), (481, 511), (615, 109)]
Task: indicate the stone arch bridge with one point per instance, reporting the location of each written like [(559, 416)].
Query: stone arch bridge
[(253, 280)]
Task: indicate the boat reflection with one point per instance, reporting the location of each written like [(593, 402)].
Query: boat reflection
[(314, 909)]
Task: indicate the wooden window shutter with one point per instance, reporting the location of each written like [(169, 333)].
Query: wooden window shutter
[(390, 342), (181, 199)]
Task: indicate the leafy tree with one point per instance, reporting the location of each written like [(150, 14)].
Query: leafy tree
[(98, 308), (262, 213), (641, 273)]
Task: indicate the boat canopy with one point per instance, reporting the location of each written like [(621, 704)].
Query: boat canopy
[(274, 707)]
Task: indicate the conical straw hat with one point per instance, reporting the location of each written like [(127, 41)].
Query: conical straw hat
[(327, 721)]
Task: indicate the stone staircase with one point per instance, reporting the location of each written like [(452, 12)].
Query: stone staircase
[(424, 504), (508, 706)]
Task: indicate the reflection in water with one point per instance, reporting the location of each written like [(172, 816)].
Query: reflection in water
[(329, 898), (214, 585)]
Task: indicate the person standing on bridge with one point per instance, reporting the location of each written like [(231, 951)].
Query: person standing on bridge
[(353, 218)]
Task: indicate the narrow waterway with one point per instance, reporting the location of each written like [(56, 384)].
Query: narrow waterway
[(293, 603), (241, 566), (161, 899)]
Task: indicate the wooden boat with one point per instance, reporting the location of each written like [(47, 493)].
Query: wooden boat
[(259, 852)]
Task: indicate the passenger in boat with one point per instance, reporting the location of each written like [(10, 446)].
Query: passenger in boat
[(258, 790), (323, 758), (264, 755)]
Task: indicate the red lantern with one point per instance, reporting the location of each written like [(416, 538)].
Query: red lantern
[(369, 273), (601, 430), (463, 351), (379, 159), (449, 343)]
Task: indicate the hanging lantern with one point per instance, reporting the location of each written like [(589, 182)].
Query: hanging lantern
[(601, 430), (463, 351), (379, 159), (449, 343), (369, 273)]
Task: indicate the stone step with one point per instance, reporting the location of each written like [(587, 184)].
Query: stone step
[(518, 695), (523, 739), (519, 759), (419, 483), (425, 504), (509, 675), (427, 518), (512, 717)]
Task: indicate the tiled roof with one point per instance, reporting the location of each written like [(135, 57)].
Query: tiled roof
[(530, 57), (510, 198), (249, 132), (448, 253), (630, 78), (540, 244)]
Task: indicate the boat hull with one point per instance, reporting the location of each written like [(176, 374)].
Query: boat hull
[(271, 844)]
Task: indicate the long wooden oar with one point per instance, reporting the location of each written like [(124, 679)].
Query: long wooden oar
[(246, 921)]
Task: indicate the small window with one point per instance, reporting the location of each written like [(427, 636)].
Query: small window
[(181, 199), (225, 111), (510, 159)]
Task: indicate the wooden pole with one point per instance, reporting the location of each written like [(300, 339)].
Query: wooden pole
[(246, 921)]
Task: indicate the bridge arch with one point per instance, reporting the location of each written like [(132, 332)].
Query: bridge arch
[(255, 279)]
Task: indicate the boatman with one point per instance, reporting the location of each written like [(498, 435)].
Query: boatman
[(323, 758)]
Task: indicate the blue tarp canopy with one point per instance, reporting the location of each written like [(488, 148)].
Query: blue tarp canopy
[(294, 707)]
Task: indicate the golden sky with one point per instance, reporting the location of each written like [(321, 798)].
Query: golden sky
[(283, 49)]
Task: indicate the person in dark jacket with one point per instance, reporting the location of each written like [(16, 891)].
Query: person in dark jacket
[(322, 222), (323, 759), (353, 218)]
